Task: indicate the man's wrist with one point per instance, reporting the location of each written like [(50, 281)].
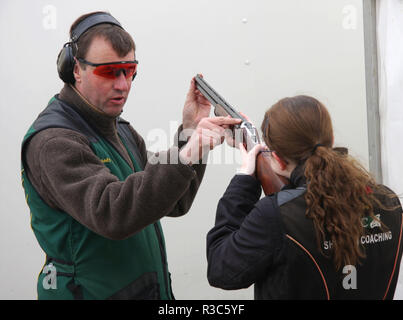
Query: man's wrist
[(188, 125), (182, 136), (184, 156)]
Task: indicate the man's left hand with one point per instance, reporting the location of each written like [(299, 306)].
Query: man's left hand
[(196, 107)]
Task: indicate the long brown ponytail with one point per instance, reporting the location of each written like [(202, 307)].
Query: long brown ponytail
[(338, 188)]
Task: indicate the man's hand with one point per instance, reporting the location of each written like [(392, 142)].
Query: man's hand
[(209, 133), (234, 136), (196, 107)]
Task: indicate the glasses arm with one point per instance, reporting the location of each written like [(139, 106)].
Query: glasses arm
[(105, 64)]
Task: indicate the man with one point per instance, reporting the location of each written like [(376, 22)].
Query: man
[(95, 196)]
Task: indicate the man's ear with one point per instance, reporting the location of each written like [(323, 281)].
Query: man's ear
[(281, 162), (77, 71)]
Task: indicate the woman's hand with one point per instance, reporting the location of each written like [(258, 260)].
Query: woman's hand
[(249, 158)]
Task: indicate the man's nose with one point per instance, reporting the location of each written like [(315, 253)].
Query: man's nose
[(121, 83)]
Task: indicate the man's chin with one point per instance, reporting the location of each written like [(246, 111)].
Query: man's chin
[(113, 111)]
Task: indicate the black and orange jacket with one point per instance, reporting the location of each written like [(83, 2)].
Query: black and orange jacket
[(270, 243)]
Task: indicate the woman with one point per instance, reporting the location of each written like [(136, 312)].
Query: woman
[(331, 233)]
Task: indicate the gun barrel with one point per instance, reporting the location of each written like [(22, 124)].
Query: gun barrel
[(270, 181), (216, 100)]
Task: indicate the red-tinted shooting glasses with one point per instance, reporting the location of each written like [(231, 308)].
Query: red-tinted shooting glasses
[(111, 70)]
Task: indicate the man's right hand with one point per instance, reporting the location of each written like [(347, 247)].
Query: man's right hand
[(209, 133)]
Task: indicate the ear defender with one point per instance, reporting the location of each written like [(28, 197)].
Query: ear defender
[(65, 59), (65, 64)]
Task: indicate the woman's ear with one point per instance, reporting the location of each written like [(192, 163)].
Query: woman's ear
[(281, 162)]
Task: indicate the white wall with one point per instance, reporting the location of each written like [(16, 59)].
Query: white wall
[(253, 52)]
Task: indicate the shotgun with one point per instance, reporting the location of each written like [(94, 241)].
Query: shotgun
[(269, 180)]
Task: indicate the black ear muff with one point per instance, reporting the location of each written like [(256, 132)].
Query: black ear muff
[(65, 64)]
